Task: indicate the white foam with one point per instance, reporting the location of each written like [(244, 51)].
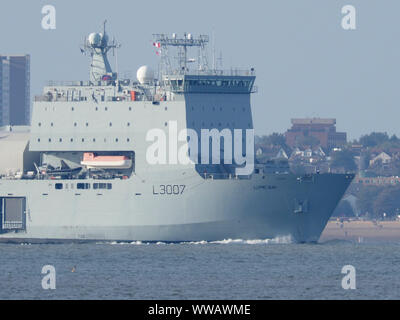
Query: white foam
[(122, 243), (277, 240)]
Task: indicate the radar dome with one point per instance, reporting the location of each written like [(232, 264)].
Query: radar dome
[(95, 39), (145, 74)]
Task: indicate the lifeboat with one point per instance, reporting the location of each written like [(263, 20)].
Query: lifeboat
[(91, 161)]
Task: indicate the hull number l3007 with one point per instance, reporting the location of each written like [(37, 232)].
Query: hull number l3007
[(169, 189)]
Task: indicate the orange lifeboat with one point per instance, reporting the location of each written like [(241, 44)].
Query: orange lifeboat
[(91, 161)]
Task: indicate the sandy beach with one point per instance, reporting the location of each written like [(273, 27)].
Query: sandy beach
[(361, 230)]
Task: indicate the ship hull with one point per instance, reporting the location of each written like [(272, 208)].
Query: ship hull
[(190, 209)]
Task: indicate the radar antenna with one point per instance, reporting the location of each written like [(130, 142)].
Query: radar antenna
[(163, 41), (97, 46)]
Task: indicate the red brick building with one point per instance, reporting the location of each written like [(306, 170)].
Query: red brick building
[(322, 129)]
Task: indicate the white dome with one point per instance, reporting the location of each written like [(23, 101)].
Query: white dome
[(95, 39), (145, 74)]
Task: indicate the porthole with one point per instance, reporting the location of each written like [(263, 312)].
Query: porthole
[(49, 139), (51, 124), (128, 124), (96, 108), (72, 109), (116, 139), (110, 124), (39, 124), (38, 140), (165, 124), (83, 139), (94, 139), (75, 124), (105, 108), (130, 108), (60, 140), (127, 140), (87, 124), (72, 140)]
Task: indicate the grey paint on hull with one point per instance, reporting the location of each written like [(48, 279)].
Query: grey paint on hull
[(257, 208)]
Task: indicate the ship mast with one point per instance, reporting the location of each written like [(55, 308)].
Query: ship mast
[(163, 42), (97, 46)]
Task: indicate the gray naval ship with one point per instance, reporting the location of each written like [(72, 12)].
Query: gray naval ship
[(96, 177)]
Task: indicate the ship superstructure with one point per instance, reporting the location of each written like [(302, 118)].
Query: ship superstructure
[(95, 180)]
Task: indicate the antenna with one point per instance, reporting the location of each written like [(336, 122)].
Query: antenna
[(97, 45), (104, 26), (182, 44), (213, 37)]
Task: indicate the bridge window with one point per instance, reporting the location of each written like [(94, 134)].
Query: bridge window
[(83, 186), (102, 186), (59, 186)]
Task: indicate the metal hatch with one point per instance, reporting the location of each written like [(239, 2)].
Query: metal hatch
[(12, 212)]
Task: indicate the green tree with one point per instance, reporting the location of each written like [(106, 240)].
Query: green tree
[(275, 139), (374, 139), (343, 159), (366, 198), (387, 201)]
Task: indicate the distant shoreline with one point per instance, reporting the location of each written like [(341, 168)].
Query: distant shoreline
[(361, 230)]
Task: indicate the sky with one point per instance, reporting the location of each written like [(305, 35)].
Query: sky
[(307, 65)]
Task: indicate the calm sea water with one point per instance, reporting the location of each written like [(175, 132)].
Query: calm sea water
[(260, 269)]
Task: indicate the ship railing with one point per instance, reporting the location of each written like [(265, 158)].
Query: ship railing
[(52, 98), (224, 176), (212, 72)]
